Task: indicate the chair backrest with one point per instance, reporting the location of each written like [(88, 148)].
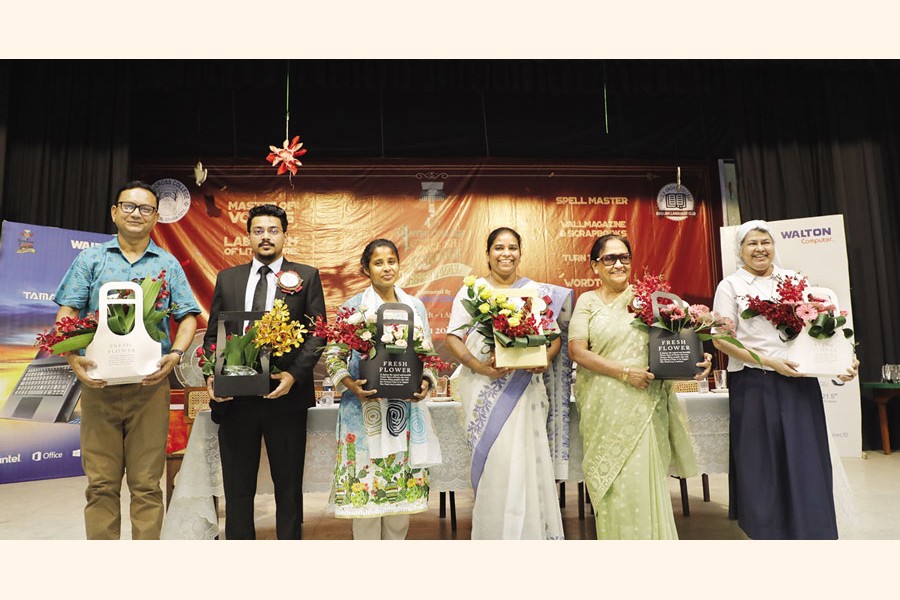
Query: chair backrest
[(195, 400), (689, 385)]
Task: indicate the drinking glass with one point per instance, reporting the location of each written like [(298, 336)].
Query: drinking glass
[(441, 386), (895, 373), (703, 385), (720, 379), (885, 373)]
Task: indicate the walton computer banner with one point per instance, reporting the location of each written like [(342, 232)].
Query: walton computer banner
[(33, 260), (817, 248), (439, 215)]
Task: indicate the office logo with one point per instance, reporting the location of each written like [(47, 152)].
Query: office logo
[(50, 455), (675, 202), (174, 199)]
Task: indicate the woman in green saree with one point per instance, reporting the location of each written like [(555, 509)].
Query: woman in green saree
[(632, 425)]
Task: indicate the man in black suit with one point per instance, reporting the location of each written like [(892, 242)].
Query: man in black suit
[(280, 416)]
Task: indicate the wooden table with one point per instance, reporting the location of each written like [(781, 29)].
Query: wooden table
[(882, 393)]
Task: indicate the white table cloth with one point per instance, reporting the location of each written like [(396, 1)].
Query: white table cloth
[(321, 451), (192, 515)]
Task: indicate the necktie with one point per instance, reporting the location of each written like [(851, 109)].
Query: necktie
[(262, 287)]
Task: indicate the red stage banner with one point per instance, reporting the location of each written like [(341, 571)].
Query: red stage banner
[(439, 214)]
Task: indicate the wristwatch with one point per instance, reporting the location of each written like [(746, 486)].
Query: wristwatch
[(180, 353)]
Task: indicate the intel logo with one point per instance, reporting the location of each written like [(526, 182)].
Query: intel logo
[(9, 458)]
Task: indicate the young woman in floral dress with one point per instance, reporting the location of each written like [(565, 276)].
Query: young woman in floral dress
[(384, 445)]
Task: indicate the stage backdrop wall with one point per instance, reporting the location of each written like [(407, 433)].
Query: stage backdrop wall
[(817, 248), (33, 260), (439, 215)]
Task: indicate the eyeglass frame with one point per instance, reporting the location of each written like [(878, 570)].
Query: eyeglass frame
[(258, 231), (608, 260), (136, 207)]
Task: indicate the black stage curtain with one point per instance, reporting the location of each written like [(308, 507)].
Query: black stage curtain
[(808, 137), (824, 141), (67, 149)]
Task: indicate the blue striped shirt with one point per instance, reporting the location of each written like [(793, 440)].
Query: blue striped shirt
[(95, 266)]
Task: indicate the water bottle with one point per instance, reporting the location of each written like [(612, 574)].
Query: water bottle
[(327, 391)]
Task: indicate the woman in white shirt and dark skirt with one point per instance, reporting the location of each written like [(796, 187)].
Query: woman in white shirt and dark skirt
[(780, 472)]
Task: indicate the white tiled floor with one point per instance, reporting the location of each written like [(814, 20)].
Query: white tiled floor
[(52, 510)]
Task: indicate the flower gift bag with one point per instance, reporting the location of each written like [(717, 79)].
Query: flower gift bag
[(673, 354), (396, 369), (817, 350), (125, 358), (233, 376)]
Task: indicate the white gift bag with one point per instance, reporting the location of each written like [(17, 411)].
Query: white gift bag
[(125, 358), (821, 358)]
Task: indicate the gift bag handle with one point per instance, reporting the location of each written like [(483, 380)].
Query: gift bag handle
[(222, 338), (820, 292), (654, 297), (137, 305), (409, 322)]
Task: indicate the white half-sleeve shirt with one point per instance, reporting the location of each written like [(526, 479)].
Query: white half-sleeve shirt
[(756, 333)]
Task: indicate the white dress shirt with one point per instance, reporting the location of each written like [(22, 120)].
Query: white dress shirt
[(757, 333), (275, 267)]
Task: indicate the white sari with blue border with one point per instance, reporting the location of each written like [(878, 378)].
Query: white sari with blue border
[(511, 424)]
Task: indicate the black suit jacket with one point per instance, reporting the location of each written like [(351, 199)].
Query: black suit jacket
[(309, 302)]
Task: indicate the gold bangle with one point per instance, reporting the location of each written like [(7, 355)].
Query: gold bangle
[(625, 373)]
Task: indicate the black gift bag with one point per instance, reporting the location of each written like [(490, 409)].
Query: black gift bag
[(673, 355), (394, 371), (239, 385)]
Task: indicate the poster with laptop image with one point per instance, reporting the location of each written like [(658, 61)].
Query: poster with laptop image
[(39, 432)]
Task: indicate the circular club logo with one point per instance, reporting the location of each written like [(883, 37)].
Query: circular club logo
[(174, 199), (675, 202)]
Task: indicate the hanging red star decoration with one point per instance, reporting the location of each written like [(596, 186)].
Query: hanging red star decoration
[(285, 158)]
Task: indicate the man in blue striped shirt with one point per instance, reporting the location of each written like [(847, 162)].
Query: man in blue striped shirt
[(124, 428)]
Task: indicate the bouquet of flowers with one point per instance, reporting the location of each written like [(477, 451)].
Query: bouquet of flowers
[(274, 332), (795, 309), (356, 328), (70, 333), (673, 317), (677, 318), (509, 322)]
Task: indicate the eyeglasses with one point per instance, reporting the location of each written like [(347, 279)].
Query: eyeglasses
[(128, 207), (610, 259), (258, 231)]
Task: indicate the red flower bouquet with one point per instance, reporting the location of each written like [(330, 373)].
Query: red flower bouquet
[(76, 333), (355, 329), (674, 325), (673, 316), (795, 308), (510, 322)]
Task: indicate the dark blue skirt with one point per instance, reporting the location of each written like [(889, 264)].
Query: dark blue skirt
[(780, 481)]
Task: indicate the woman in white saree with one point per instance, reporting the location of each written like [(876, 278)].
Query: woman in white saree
[(507, 414)]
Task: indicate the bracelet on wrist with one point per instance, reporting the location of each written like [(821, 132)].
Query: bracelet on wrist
[(625, 373)]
